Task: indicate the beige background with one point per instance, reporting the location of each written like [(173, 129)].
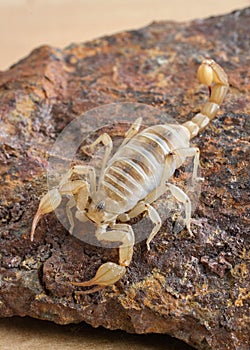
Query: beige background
[(26, 24)]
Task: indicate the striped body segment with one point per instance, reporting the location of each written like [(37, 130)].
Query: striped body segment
[(136, 169)]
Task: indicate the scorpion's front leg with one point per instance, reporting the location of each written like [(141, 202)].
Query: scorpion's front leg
[(78, 199), (109, 273), (106, 140)]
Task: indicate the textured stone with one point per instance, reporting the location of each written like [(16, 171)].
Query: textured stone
[(195, 289)]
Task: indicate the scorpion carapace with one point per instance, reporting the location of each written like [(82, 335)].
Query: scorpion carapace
[(133, 178)]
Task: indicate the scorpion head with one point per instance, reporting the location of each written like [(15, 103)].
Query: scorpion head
[(97, 212)]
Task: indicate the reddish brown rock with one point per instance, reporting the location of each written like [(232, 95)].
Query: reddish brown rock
[(196, 289)]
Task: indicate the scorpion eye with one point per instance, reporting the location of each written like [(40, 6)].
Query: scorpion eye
[(100, 206)]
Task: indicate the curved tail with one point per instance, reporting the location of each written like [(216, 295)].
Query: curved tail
[(212, 75)]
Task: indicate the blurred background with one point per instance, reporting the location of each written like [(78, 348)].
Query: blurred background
[(26, 24)]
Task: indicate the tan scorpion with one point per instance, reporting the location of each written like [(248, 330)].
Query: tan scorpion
[(133, 178)]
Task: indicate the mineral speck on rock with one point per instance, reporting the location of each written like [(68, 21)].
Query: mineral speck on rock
[(196, 290)]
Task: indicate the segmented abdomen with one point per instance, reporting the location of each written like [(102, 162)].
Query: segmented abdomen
[(137, 167)]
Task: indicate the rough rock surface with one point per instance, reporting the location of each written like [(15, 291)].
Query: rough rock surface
[(194, 289)]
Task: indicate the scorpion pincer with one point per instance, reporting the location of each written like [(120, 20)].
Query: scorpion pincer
[(133, 178)]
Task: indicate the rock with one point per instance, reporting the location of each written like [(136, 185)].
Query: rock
[(196, 290)]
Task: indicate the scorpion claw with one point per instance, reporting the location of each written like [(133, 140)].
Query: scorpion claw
[(107, 274), (48, 203)]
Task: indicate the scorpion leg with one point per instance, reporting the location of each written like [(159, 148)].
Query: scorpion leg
[(71, 203), (144, 206), (182, 197), (107, 142), (109, 273), (79, 170), (81, 203), (191, 152), (79, 191), (179, 194), (132, 131)]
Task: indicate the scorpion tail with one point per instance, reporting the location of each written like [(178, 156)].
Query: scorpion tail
[(212, 75)]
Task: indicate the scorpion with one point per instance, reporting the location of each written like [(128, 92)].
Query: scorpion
[(133, 178)]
